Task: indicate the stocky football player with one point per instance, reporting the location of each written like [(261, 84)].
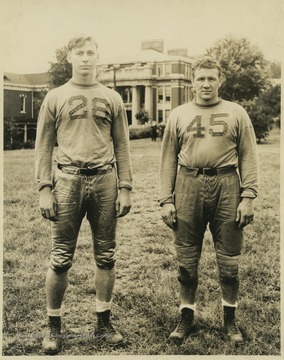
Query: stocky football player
[(205, 142)]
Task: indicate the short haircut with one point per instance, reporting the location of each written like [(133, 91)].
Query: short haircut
[(78, 41), (206, 62)]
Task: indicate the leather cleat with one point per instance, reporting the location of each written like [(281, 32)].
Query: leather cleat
[(52, 343), (233, 333), (183, 328), (105, 330)]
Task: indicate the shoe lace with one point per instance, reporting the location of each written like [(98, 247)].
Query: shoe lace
[(110, 328), (233, 328), (55, 329), (106, 327), (183, 326)]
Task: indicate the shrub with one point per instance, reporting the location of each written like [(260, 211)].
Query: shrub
[(140, 132), (142, 116)]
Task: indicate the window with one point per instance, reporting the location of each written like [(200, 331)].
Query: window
[(130, 94), (188, 71), (160, 69), (160, 116), (126, 95), (160, 94), (23, 103), (167, 114), (185, 94), (168, 93), (168, 69)]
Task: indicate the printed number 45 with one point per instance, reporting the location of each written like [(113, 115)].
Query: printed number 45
[(218, 126)]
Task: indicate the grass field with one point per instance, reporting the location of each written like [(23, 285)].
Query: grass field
[(145, 304)]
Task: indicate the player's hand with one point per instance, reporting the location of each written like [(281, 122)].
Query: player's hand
[(245, 212), (47, 204), (123, 202), (168, 214)]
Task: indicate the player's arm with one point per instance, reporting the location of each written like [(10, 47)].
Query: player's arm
[(120, 136), (45, 140), (248, 168), (168, 173)]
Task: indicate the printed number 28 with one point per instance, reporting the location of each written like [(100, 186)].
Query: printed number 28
[(215, 120)]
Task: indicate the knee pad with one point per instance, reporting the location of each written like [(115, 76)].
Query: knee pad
[(106, 266), (228, 267), (226, 280), (185, 278)]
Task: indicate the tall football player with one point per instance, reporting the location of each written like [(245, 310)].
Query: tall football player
[(89, 123)]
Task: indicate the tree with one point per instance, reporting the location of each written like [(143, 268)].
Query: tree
[(261, 121), (264, 111), (271, 100), (61, 71), (37, 101), (245, 70)]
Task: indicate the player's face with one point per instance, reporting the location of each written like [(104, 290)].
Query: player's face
[(207, 83), (84, 59)]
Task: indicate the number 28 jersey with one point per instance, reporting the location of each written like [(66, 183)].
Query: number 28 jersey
[(214, 136), (90, 126)]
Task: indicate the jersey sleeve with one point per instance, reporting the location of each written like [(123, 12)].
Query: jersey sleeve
[(120, 136), (169, 161), (247, 157), (45, 140)]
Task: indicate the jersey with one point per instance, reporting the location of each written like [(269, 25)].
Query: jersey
[(90, 126), (214, 136)]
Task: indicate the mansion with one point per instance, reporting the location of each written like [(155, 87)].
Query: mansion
[(151, 80)]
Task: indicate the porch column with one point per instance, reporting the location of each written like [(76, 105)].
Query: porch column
[(149, 100), (25, 133), (134, 105)]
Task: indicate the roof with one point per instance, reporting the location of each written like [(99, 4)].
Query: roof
[(40, 79), (148, 55)]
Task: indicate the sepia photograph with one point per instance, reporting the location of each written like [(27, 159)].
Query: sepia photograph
[(141, 178)]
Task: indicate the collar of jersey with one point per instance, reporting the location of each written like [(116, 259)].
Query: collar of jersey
[(207, 106), (83, 86)]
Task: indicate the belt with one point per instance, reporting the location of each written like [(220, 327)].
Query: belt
[(84, 171), (210, 171), (207, 171)]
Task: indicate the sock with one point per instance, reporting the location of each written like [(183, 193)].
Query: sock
[(188, 306), (102, 306), (229, 314), (225, 303), (54, 312)]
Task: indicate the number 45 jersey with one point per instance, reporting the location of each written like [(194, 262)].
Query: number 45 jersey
[(214, 136)]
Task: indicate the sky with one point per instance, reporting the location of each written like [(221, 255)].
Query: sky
[(31, 30)]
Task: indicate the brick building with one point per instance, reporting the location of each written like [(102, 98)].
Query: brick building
[(21, 92)]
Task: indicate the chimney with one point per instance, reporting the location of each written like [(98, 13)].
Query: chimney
[(157, 45)]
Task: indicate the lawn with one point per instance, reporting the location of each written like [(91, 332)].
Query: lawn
[(145, 303)]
